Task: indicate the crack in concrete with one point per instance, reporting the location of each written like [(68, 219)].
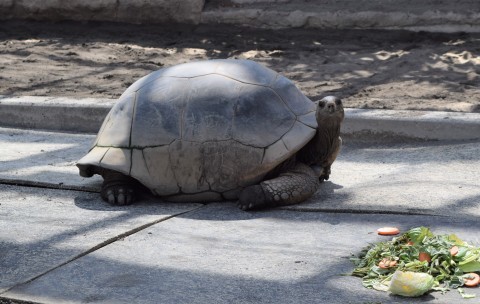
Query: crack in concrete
[(44, 185), (101, 245), (353, 211)]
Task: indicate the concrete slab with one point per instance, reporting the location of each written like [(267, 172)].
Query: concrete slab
[(60, 246), (42, 229), (383, 175), (402, 177), (45, 158), (436, 125), (219, 254), (54, 113)]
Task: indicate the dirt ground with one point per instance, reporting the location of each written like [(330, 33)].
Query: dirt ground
[(368, 69)]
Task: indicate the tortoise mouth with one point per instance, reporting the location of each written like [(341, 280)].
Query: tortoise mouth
[(328, 113), (332, 109)]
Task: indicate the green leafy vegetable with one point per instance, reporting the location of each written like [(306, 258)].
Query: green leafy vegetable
[(417, 235), (465, 295), (472, 266), (445, 269)]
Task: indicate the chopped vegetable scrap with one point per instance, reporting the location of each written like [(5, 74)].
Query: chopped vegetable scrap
[(410, 284), (417, 262), (471, 279), (423, 256), (454, 250), (387, 263), (388, 231)]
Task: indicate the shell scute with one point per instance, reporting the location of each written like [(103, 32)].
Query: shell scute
[(115, 130), (247, 71), (210, 108), (156, 119), (159, 174), (292, 96), (261, 117), (230, 165), (118, 159)]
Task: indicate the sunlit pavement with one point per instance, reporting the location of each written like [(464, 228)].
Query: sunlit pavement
[(60, 243)]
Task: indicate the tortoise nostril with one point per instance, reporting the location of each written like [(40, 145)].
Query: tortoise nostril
[(331, 106)]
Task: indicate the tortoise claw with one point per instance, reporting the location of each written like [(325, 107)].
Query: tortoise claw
[(251, 197), (120, 195), (111, 197), (325, 174)]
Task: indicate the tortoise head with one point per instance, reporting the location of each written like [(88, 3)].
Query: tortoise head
[(330, 111), (322, 150)]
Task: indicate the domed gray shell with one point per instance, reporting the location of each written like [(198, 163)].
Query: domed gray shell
[(204, 130)]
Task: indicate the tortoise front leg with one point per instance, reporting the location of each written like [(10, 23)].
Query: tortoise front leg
[(291, 187), (117, 188), (327, 164)]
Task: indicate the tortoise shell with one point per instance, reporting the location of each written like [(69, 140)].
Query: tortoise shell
[(202, 131)]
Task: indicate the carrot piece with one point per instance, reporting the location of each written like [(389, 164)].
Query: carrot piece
[(472, 280), (454, 250), (387, 263), (423, 256), (388, 231), (410, 243)]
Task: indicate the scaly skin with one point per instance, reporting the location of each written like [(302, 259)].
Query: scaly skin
[(291, 187)]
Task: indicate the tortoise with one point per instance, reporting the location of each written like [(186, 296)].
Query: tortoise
[(216, 130)]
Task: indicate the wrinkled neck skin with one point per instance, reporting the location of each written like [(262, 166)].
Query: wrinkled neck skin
[(318, 150), (327, 132)]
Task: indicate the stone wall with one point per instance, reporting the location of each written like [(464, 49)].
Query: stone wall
[(134, 11), (430, 15), (436, 15)]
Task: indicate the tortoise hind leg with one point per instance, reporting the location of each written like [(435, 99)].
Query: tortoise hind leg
[(117, 188), (292, 187)]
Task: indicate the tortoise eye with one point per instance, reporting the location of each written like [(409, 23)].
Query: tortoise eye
[(338, 102), (321, 103)]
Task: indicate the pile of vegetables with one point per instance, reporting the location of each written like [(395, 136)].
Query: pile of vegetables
[(419, 261)]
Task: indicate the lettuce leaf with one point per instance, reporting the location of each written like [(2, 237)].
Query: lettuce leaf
[(418, 234)]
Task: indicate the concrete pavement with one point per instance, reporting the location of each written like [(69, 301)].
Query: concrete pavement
[(60, 243)]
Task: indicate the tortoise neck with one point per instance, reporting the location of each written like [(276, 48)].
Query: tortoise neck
[(320, 146)]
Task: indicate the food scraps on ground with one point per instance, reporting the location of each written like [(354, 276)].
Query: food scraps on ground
[(417, 262), (410, 284), (423, 256), (388, 231), (387, 263), (471, 279), (454, 250)]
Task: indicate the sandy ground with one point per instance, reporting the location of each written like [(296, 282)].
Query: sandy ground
[(368, 69)]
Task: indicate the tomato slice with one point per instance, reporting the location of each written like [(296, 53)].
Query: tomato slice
[(388, 231), (454, 250), (423, 256), (472, 280)]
